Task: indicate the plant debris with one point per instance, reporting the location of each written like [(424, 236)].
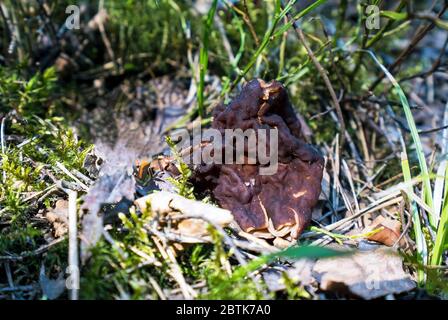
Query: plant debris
[(194, 216), (58, 216), (389, 234), (368, 275)]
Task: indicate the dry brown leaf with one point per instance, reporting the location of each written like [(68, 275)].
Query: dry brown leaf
[(389, 233), (193, 228), (281, 243), (366, 274), (58, 216), (300, 273)]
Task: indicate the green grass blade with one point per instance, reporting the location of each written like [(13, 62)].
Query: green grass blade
[(299, 15), (439, 186), (441, 199), (271, 33), (442, 235), (422, 251), (203, 57), (309, 252), (294, 252), (427, 191), (266, 39)]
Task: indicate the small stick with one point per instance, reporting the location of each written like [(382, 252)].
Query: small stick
[(68, 173), (175, 270), (260, 242), (372, 208), (325, 78), (73, 244), (9, 277), (157, 288), (2, 135), (247, 20), (32, 253)]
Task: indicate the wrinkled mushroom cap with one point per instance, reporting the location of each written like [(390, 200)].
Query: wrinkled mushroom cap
[(279, 204)]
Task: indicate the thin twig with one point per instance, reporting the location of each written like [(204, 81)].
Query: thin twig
[(36, 252), (2, 135), (325, 78), (247, 20), (73, 244), (419, 35), (71, 175), (175, 270), (9, 277)]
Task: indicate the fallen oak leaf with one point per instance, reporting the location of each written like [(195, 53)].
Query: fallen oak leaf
[(389, 232)]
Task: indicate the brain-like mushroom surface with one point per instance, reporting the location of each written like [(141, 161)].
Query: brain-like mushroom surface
[(276, 205)]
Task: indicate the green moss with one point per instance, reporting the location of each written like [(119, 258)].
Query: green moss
[(27, 163)]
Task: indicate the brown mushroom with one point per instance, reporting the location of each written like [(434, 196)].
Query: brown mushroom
[(277, 205)]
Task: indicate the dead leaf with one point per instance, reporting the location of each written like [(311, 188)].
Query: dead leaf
[(193, 228), (273, 280), (58, 217), (107, 189), (281, 243), (113, 185), (159, 182), (368, 274), (390, 233), (199, 214), (302, 272)]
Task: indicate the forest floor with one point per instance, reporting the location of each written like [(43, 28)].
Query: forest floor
[(85, 105)]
